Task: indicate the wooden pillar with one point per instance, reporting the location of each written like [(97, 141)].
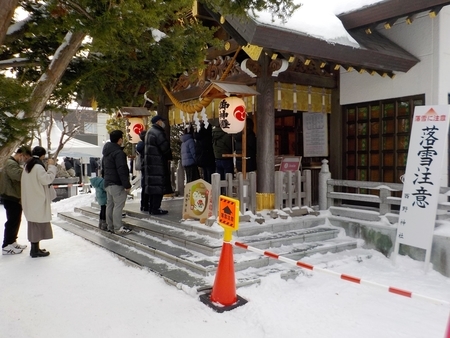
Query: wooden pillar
[(163, 111), (336, 137), (265, 126)]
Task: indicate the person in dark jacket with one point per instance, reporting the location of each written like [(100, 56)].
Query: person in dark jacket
[(188, 156), (93, 166), (140, 149), (68, 164), (222, 144), (204, 152), (77, 168), (117, 184), (250, 148), (10, 193), (157, 173)]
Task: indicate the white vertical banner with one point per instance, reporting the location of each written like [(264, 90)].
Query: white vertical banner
[(422, 178)]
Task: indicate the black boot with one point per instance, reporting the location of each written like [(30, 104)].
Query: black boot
[(36, 252)]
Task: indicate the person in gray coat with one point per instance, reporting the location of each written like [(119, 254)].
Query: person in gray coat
[(117, 184), (156, 161), (36, 198)]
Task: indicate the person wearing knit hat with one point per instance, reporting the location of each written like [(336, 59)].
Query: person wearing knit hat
[(10, 186)]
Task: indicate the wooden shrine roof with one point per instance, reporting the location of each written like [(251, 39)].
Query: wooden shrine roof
[(388, 11), (376, 52)]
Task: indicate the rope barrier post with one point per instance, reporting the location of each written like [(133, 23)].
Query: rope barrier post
[(348, 278), (447, 333), (223, 296)]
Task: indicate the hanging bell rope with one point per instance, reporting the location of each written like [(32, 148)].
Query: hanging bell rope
[(196, 106)]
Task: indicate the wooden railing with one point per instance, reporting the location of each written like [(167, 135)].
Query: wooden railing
[(383, 200), (292, 189), (242, 189), (379, 199)]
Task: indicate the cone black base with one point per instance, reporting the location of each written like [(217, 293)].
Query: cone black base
[(206, 299)]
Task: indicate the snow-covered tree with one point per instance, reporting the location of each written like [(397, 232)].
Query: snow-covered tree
[(107, 50)]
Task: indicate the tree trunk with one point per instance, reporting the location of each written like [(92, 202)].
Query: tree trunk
[(50, 79), (6, 13), (47, 83), (265, 126)]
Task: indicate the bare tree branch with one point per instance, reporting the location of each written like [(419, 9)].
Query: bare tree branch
[(78, 8), (17, 63)]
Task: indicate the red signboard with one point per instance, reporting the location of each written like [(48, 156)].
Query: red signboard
[(290, 163)]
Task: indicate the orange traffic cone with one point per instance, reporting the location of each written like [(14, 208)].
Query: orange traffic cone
[(223, 295), (224, 289)]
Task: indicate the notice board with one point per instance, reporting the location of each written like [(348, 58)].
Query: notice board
[(315, 135)]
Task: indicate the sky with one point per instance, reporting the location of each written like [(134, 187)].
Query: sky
[(83, 290)]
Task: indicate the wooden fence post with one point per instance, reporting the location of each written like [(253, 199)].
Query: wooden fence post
[(384, 206), (279, 176), (252, 192), (215, 187), (229, 184), (298, 186), (241, 196), (308, 185), (289, 189)]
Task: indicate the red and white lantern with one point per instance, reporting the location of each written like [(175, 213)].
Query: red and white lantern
[(134, 127), (232, 115)]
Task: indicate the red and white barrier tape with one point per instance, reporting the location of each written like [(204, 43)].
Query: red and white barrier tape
[(67, 186), (345, 277)]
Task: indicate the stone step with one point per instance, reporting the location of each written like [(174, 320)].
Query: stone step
[(134, 252), (195, 255), (245, 228), (194, 239)]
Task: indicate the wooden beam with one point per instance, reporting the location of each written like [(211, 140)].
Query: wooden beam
[(307, 79), (386, 10), (229, 47)]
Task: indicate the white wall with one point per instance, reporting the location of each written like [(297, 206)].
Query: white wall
[(429, 40), (102, 134), (420, 39), (444, 60)]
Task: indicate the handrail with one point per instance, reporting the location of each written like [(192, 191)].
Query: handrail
[(384, 198)]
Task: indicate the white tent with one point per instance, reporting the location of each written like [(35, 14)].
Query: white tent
[(73, 148)]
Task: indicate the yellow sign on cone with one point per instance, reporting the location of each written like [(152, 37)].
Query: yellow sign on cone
[(229, 213), (224, 288)]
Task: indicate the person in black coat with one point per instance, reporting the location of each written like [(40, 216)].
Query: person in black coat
[(77, 168), (157, 173), (204, 152), (250, 149), (222, 144), (140, 149), (93, 166)]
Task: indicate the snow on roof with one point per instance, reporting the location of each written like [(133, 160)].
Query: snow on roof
[(318, 18)]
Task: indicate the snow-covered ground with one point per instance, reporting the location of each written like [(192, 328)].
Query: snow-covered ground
[(82, 290)]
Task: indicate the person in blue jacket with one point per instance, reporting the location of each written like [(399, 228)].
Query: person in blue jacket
[(188, 155), (100, 195)]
